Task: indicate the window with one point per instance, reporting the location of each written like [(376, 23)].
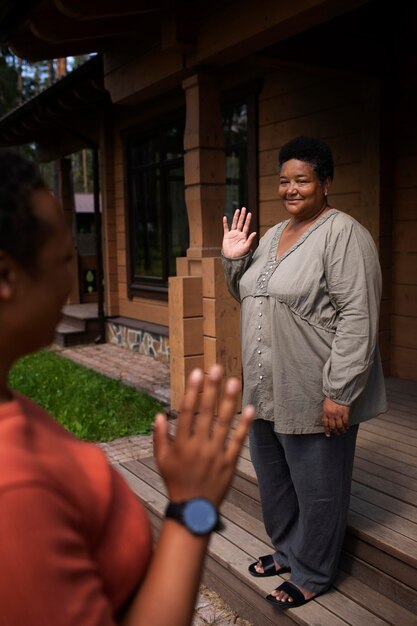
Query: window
[(235, 126), (240, 129), (158, 229), (157, 221)]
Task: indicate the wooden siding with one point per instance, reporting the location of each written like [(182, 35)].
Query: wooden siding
[(341, 110), (334, 110), (404, 244)]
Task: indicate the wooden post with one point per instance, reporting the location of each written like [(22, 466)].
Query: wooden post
[(109, 231), (221, 321), (203, 319), (66, 196), (204, 166), (185, 332)]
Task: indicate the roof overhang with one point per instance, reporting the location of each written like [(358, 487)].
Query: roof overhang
[(49, 29), (62, 118)]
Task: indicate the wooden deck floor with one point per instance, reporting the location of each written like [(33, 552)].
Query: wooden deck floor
[(386, 457), (377, 582), (383, 506)]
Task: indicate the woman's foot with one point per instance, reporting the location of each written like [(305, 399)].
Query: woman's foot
[(289, 595), (260, 568), (266, 566), (284, 596)]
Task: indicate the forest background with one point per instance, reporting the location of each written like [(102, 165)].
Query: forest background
[(20, 81)]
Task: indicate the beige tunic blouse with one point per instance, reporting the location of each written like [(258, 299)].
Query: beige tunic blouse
[(309, 324)]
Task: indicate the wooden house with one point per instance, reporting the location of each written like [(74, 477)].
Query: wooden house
[(186, 106)]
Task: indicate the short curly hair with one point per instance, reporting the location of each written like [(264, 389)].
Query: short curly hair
[(22, 233), (312, 151)]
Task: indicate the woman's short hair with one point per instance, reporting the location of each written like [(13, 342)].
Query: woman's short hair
[(312, 151), (22, 233)]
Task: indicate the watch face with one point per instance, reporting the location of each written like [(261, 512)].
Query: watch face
[(200, 516)]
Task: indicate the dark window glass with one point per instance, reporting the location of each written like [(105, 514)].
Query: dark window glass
[(235, 126), (178, 237), (158, 222), (158, 217)]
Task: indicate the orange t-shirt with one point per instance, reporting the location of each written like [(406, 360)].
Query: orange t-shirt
[(75, 541)]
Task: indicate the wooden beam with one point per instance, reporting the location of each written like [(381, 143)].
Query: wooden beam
[(101, 9), (27, 46), (245, 27), (178, 30), (50, 25), (144, 77)]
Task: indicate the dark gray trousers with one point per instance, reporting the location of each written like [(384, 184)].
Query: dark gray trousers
[(304, 483)]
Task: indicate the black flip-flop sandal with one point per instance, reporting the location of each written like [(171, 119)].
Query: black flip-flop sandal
[(293, 591), (268, 565)]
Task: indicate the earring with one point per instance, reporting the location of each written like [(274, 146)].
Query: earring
[(325, 193)]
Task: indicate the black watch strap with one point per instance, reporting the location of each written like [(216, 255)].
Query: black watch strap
[(198, 515)]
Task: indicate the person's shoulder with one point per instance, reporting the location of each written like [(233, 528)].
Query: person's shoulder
[(342, 223), (347, 233), (35, 449)]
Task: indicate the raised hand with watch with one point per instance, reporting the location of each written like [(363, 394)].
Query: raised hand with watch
[(197, 466), (198, 515)]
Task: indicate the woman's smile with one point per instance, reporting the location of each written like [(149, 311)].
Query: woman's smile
[(297, 176)]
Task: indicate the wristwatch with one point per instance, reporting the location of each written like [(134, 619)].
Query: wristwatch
[(198, 515)]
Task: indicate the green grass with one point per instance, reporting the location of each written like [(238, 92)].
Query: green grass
[(91, 406)]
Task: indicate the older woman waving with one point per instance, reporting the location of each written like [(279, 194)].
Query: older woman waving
[(310, 297)]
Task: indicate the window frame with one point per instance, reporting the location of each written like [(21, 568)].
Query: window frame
[(148, 287), (247, 93)]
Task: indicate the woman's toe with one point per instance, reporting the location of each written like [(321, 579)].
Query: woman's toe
[(281, 596)]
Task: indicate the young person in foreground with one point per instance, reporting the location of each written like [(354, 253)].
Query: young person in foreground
[(75, 542)]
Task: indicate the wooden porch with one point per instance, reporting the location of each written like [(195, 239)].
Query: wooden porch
[(377, 581)]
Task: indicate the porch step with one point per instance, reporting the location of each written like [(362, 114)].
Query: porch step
[(380, 547), (78, 325), (350, 601), (377, 581)]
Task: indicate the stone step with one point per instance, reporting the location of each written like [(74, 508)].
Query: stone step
[(70, 324), (78, 325), (81, 311)]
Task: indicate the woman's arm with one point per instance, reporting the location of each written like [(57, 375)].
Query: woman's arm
[(233, 271), (200, 462), (354, 281)]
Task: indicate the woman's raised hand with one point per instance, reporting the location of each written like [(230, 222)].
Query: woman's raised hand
[(236, 240), (201, 460)]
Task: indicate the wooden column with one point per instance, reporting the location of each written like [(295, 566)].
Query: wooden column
[(221, 321), (202, 316), (204, 167), (107, 187), (185, 332), (66, 197)]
